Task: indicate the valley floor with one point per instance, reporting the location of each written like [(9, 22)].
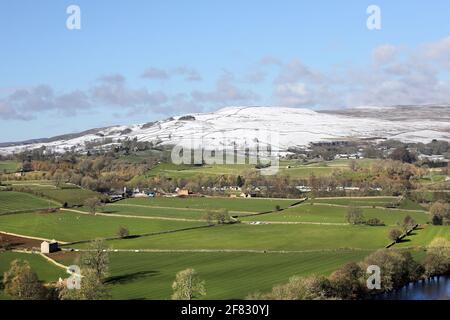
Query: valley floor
[(169, 235)]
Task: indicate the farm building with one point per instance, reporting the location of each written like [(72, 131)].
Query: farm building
[(49, 247), (183, 192)]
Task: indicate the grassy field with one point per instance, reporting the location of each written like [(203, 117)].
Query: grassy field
[(227, 275), (423, 237), (292, 168), (263, 237), (66, 193), (46, 271), (242, 258), (232, 204), (73, 196), (68, 226), (147, 211), (357, 201), (9, 166), (17, 201), (32, 183), (331, 214)]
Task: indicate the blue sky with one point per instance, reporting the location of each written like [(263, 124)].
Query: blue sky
[(137, 61)]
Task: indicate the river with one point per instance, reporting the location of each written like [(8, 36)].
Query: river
[(437, 288)]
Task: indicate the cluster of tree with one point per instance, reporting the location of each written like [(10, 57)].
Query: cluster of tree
[(440, 213), (328, 151), (392, 149), (408, 224), (130, 146), (20, 282), (434, 147), (355, 216), (350, 282), (218, 217), (107, 172), (402, 154)]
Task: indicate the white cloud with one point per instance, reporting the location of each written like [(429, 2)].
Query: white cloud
[(385, 54), (155, 73), (418, 76), (188, 74), (24, 104), (293, 95), (225, 91), (439, 51)]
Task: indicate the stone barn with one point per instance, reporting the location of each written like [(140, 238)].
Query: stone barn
[(49, 247)]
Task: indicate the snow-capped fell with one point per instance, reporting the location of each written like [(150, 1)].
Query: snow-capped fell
[(291, 127)]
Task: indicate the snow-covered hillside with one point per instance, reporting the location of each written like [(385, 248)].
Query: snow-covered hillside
[(291, 127)]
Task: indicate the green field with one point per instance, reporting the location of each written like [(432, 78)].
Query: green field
[(204, 203), (263, 237), (46, 271), (322, 213), (227, 275), (357, 201), (292, 168), (73, 197), (423, 237), (147, 211), (17, 201), (8, 166), (234, 260), (66, 193), (68, 226)]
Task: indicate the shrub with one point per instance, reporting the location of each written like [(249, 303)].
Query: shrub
[(395, 235), (123, 232), (375, 222), (355, 215)]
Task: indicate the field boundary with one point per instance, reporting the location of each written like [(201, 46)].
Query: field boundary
[(176, 208), (31, 237), (227, 250), (28, 211), (300, 222), (115, 215), (141, 235), (296, 204), (366, 207)]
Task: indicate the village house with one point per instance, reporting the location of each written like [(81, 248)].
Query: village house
[(432, 158), (182, 192)]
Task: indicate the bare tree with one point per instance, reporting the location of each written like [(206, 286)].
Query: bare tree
[(96, 258), (355, 215), (123, 232), (394, 234), (92, 204)]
